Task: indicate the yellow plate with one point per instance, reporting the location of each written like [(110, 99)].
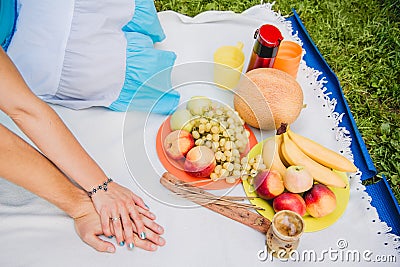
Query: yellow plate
[(311, 224)]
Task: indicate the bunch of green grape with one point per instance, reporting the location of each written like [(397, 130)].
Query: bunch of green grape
[(222, 130)]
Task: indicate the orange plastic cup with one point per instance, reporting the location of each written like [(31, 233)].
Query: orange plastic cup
[(288, 57)]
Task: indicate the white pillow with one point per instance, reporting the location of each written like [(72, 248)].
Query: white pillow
[(72, 52)]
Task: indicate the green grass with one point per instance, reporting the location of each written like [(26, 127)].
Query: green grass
[(360, 40)]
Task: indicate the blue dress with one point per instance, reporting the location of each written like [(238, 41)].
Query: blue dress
[(147, 85), (8, 17)]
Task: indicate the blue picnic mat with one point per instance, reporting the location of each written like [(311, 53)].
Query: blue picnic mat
[(382, 196), (385, 203)]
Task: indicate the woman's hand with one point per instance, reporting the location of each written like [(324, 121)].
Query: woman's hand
[(88, 227), (119, 213), (152, 230)]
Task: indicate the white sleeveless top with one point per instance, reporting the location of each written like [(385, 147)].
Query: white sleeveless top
[(72, 52)]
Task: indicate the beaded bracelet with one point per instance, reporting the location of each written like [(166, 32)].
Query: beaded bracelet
[(100, 187)]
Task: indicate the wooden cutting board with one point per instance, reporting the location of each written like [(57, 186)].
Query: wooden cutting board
[(238, 214)]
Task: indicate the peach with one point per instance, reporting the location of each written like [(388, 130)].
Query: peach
[(268, 184), (178, 143), (297, 179), (320, 201), (200, 161), (290, 201)]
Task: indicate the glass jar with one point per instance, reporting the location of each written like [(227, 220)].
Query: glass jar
[(283, 236)]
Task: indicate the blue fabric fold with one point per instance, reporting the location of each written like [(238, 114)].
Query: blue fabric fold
[(8, 17), (147, 85), (145, 20), (385, 203)]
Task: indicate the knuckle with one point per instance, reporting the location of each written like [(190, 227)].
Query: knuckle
[(135, 215), (120, 205), (126, 223)]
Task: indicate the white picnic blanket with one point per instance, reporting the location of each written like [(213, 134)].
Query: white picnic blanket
[(35, 233)]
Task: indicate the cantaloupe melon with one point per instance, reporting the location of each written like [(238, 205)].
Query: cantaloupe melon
[(267, 97)]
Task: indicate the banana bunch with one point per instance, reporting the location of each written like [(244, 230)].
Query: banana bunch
[(289, 148)]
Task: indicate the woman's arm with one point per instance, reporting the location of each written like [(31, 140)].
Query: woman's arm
[(45, 128), (21, 164)]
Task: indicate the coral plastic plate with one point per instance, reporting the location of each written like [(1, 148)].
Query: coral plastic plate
[(311, 224), (175, 167)]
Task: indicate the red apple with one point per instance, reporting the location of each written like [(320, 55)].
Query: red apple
[(320, 201), (290, 201), (268, 184), (178, 143), (200, 161), (297, 179)]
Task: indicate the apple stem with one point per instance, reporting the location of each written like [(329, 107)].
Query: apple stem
[(282, 129)]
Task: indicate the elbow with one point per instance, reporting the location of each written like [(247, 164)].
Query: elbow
[(18, 115), (24, 112)]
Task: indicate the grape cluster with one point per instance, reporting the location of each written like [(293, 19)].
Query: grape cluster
[(251, 166), (222, 130)]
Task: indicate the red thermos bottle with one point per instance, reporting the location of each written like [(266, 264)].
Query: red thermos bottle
[(265, 48)]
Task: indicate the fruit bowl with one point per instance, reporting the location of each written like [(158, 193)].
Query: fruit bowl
[(177, 170), (311, 224)]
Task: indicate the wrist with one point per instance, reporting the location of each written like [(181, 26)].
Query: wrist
[(82, 206), (101, 187)]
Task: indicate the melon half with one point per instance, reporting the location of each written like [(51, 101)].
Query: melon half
[(266, 97)]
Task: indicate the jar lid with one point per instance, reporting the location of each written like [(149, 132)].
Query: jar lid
[(269, 35)]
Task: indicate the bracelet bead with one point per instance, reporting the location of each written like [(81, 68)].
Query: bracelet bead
[(103, 187)]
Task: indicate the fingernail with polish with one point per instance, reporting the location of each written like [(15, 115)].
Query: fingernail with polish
[(142, 235), (131, 245), (122, 243), (110, 236), (146, 206)]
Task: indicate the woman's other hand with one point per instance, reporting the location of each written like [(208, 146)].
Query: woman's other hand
[(119, 213), (88, 226)]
